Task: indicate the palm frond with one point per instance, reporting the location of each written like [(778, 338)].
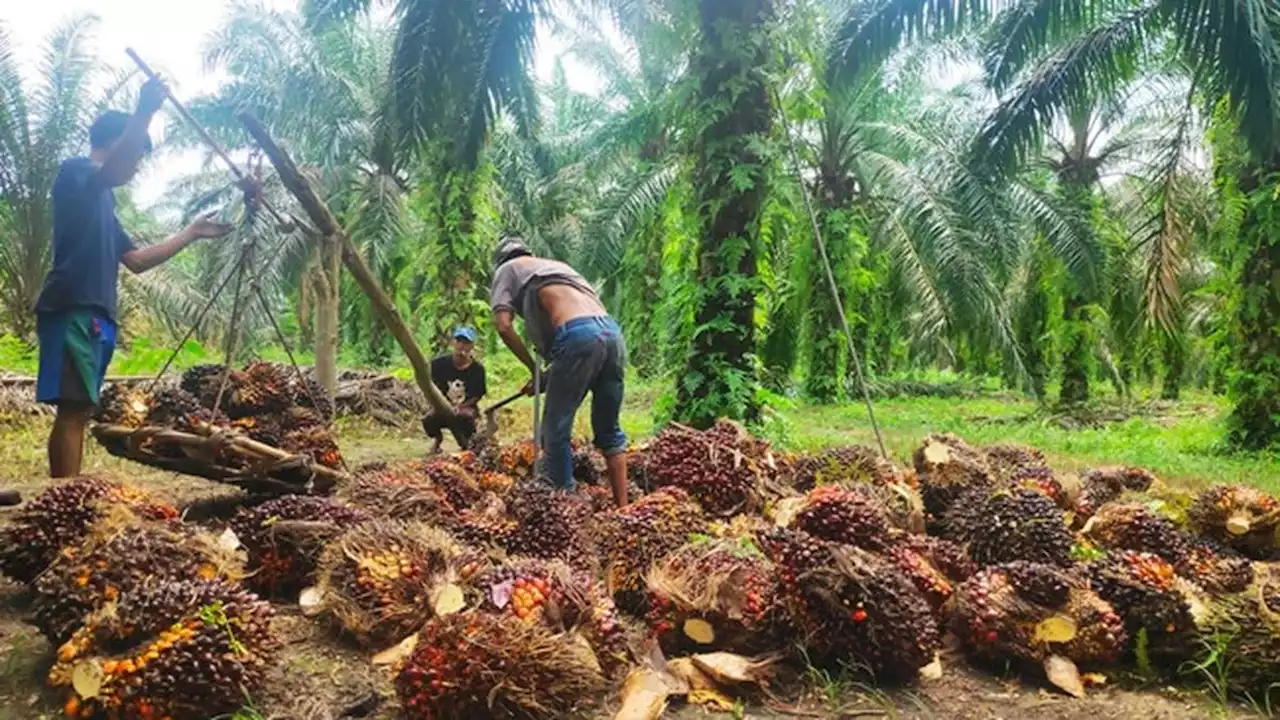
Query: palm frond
[(1234, 48), (872, 31), (1093, 65), (1026, 30)]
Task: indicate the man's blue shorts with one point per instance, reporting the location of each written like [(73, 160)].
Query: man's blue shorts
[(75, 349)]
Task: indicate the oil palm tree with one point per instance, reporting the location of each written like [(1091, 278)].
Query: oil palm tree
[(457, 66), (1056, 57), (321, 93)]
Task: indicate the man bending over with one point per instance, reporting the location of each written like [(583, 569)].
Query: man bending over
[(571, 329)]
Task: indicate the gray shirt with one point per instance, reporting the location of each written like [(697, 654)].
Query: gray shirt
[(515, 290)]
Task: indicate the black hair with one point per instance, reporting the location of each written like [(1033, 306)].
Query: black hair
[(108, 128)]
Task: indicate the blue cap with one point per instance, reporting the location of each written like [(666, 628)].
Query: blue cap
[(465, 332)]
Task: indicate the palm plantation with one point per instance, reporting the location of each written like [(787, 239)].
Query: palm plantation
[(1081, 210)]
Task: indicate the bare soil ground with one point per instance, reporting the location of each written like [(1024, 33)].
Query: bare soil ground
[(324, 678)]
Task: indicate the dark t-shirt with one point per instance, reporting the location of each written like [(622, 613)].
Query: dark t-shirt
[(458, 385), (88, 243)]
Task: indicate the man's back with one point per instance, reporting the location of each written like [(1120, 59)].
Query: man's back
[(88, 243), (546, 293)]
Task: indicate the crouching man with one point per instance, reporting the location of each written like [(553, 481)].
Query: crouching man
[(570, 329), (461, 379)]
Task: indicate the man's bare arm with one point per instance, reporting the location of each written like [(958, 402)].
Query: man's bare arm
[(122, 160), (140, 260), (504, 320)]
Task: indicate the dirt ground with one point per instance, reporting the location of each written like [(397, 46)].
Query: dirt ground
[(324, 678)]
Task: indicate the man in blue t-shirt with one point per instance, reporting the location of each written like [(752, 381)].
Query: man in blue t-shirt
[(76, 311)]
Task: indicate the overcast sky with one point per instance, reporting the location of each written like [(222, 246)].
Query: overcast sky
[(168, 34)]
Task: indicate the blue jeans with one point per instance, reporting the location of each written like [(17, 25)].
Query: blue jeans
[(587, 354)]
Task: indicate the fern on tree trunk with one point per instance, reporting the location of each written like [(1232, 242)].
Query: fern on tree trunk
[(1255, 383), (734, 116)]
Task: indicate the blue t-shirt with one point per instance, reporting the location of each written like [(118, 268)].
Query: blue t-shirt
[(88, 243)]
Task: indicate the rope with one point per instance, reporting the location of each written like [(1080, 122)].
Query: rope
[(213, 299), (831, 276), (233, 327)]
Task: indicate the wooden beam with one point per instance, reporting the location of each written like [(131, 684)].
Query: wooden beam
[(328, 226)]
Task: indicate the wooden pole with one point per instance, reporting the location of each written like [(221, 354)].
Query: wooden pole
[(206, 137), (328, 227)]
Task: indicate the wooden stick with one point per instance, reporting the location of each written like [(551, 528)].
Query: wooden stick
[(126, 441), (328, 226), (204, 135)]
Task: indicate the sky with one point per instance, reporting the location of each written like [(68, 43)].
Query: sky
[(169, 35)]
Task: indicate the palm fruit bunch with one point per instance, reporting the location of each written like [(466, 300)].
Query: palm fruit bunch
[(852, 608), (122, 405), (715, 595), (844, 516), (115, 561), (261, 388), (516, 459), (588, 464), (171, 650), (550, 525), (451, 477), (1034, 613), (561, 598), (1214, 567), (1245, 628), (1021, 466), (203, 382), (1147, 593), (525, 587), (638, 467), (176, 408), (382, 579), (481, 530), (842, 466), (266, 429), (283, 538), (948, 557), (309, 394), (399, 494), (317, 442), (1135, 526), (1007, 462), (1241, 517), (493, 482), (1103, 485), (932, 564), (476, 664), (947, 467), (1003, 525), (633, 537), (61, 517), (722, 468)]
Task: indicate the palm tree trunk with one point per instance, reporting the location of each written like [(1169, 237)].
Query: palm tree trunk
[(1255, 385), (1175, 364), (327, 311), (735, 112), (1076, 355), (828, 349)]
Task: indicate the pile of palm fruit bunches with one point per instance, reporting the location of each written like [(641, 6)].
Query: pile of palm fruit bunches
[(485, 594), (268, 402)]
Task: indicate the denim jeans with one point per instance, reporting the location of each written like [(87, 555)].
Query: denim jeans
[(587, 354)]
